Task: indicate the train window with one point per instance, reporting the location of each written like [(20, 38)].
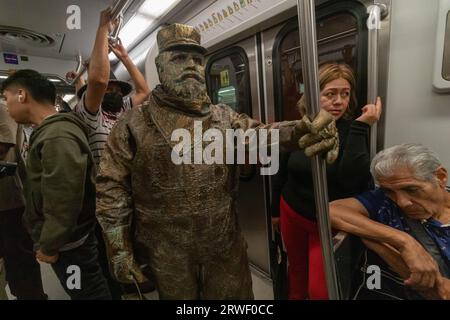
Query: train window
[(337, 38), (228, 79)]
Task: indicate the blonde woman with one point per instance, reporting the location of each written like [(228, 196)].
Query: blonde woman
[(294, 206)]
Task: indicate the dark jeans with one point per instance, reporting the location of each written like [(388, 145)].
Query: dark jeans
[(85, 257), (23, 273)]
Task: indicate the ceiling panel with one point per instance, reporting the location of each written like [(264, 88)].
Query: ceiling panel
[(49, 18)]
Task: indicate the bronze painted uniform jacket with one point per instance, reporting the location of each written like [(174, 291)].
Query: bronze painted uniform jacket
[(168, 208)]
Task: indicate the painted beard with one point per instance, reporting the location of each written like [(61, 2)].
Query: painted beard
[(190, 86)]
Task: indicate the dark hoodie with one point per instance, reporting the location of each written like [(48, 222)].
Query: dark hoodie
[(60, 187)]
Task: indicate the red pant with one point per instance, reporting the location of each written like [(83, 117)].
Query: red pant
[(302, 242)]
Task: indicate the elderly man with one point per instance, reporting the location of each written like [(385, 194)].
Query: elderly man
[(180, 219), (406, 219)]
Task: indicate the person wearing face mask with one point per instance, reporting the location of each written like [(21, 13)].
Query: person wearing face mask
[(293, 193), (104, 100), (181, 219)]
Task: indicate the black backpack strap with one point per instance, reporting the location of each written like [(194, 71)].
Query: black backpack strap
[(421, 235)]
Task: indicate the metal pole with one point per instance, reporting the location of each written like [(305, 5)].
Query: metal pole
[(118, 8), (308, 44), (373, 24), (116, 12)]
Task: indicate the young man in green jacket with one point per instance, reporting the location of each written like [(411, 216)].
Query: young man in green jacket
[(60, 187)]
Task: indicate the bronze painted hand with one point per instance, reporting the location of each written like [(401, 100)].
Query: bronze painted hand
[(319, 136), (121, 259)]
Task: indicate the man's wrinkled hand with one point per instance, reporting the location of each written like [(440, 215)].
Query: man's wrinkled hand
[(47, 259), (424, 269), (443, 288), (319, 136)]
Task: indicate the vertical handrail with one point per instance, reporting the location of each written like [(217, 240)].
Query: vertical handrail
[(116, 13), (308, 41), (373, 25)]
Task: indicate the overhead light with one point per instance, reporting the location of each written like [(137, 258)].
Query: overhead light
[(54, 80), (68, 97), (134, 28), (154, 9), (3, 77), (146, 15)]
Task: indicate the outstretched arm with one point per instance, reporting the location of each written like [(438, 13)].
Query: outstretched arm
[(142, 90), (315, 137)]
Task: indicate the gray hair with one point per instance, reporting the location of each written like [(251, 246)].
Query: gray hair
[(422, 161)]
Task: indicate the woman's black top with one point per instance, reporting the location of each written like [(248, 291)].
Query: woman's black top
[(349, 175)]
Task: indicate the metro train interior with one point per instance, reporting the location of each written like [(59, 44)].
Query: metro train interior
[(254, 65)]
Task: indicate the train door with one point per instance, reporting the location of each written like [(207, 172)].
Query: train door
[(341, 37), (262, 76), (233, 79)]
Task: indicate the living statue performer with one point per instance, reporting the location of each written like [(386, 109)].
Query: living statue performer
[(181, 219)]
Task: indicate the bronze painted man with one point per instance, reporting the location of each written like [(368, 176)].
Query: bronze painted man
[(181, 219)]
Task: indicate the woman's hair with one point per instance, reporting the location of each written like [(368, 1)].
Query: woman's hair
[(419, 159), (331, 71)]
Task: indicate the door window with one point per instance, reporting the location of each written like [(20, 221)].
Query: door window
[(228, 79), (337, 39)]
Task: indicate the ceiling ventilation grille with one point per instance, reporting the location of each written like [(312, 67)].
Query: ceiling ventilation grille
[(32, 38)]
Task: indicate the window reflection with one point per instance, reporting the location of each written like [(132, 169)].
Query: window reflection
[(228, 82), (337, 38)]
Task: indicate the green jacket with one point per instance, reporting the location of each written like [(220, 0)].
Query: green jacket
[(60, 186)]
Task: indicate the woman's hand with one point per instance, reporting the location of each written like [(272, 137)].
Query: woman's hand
[(371, 113)]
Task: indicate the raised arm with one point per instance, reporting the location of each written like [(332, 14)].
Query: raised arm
[(355, 159), (115, 203), (142, 90), (98, 72)]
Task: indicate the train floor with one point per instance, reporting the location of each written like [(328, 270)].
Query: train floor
[(262, 287)]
